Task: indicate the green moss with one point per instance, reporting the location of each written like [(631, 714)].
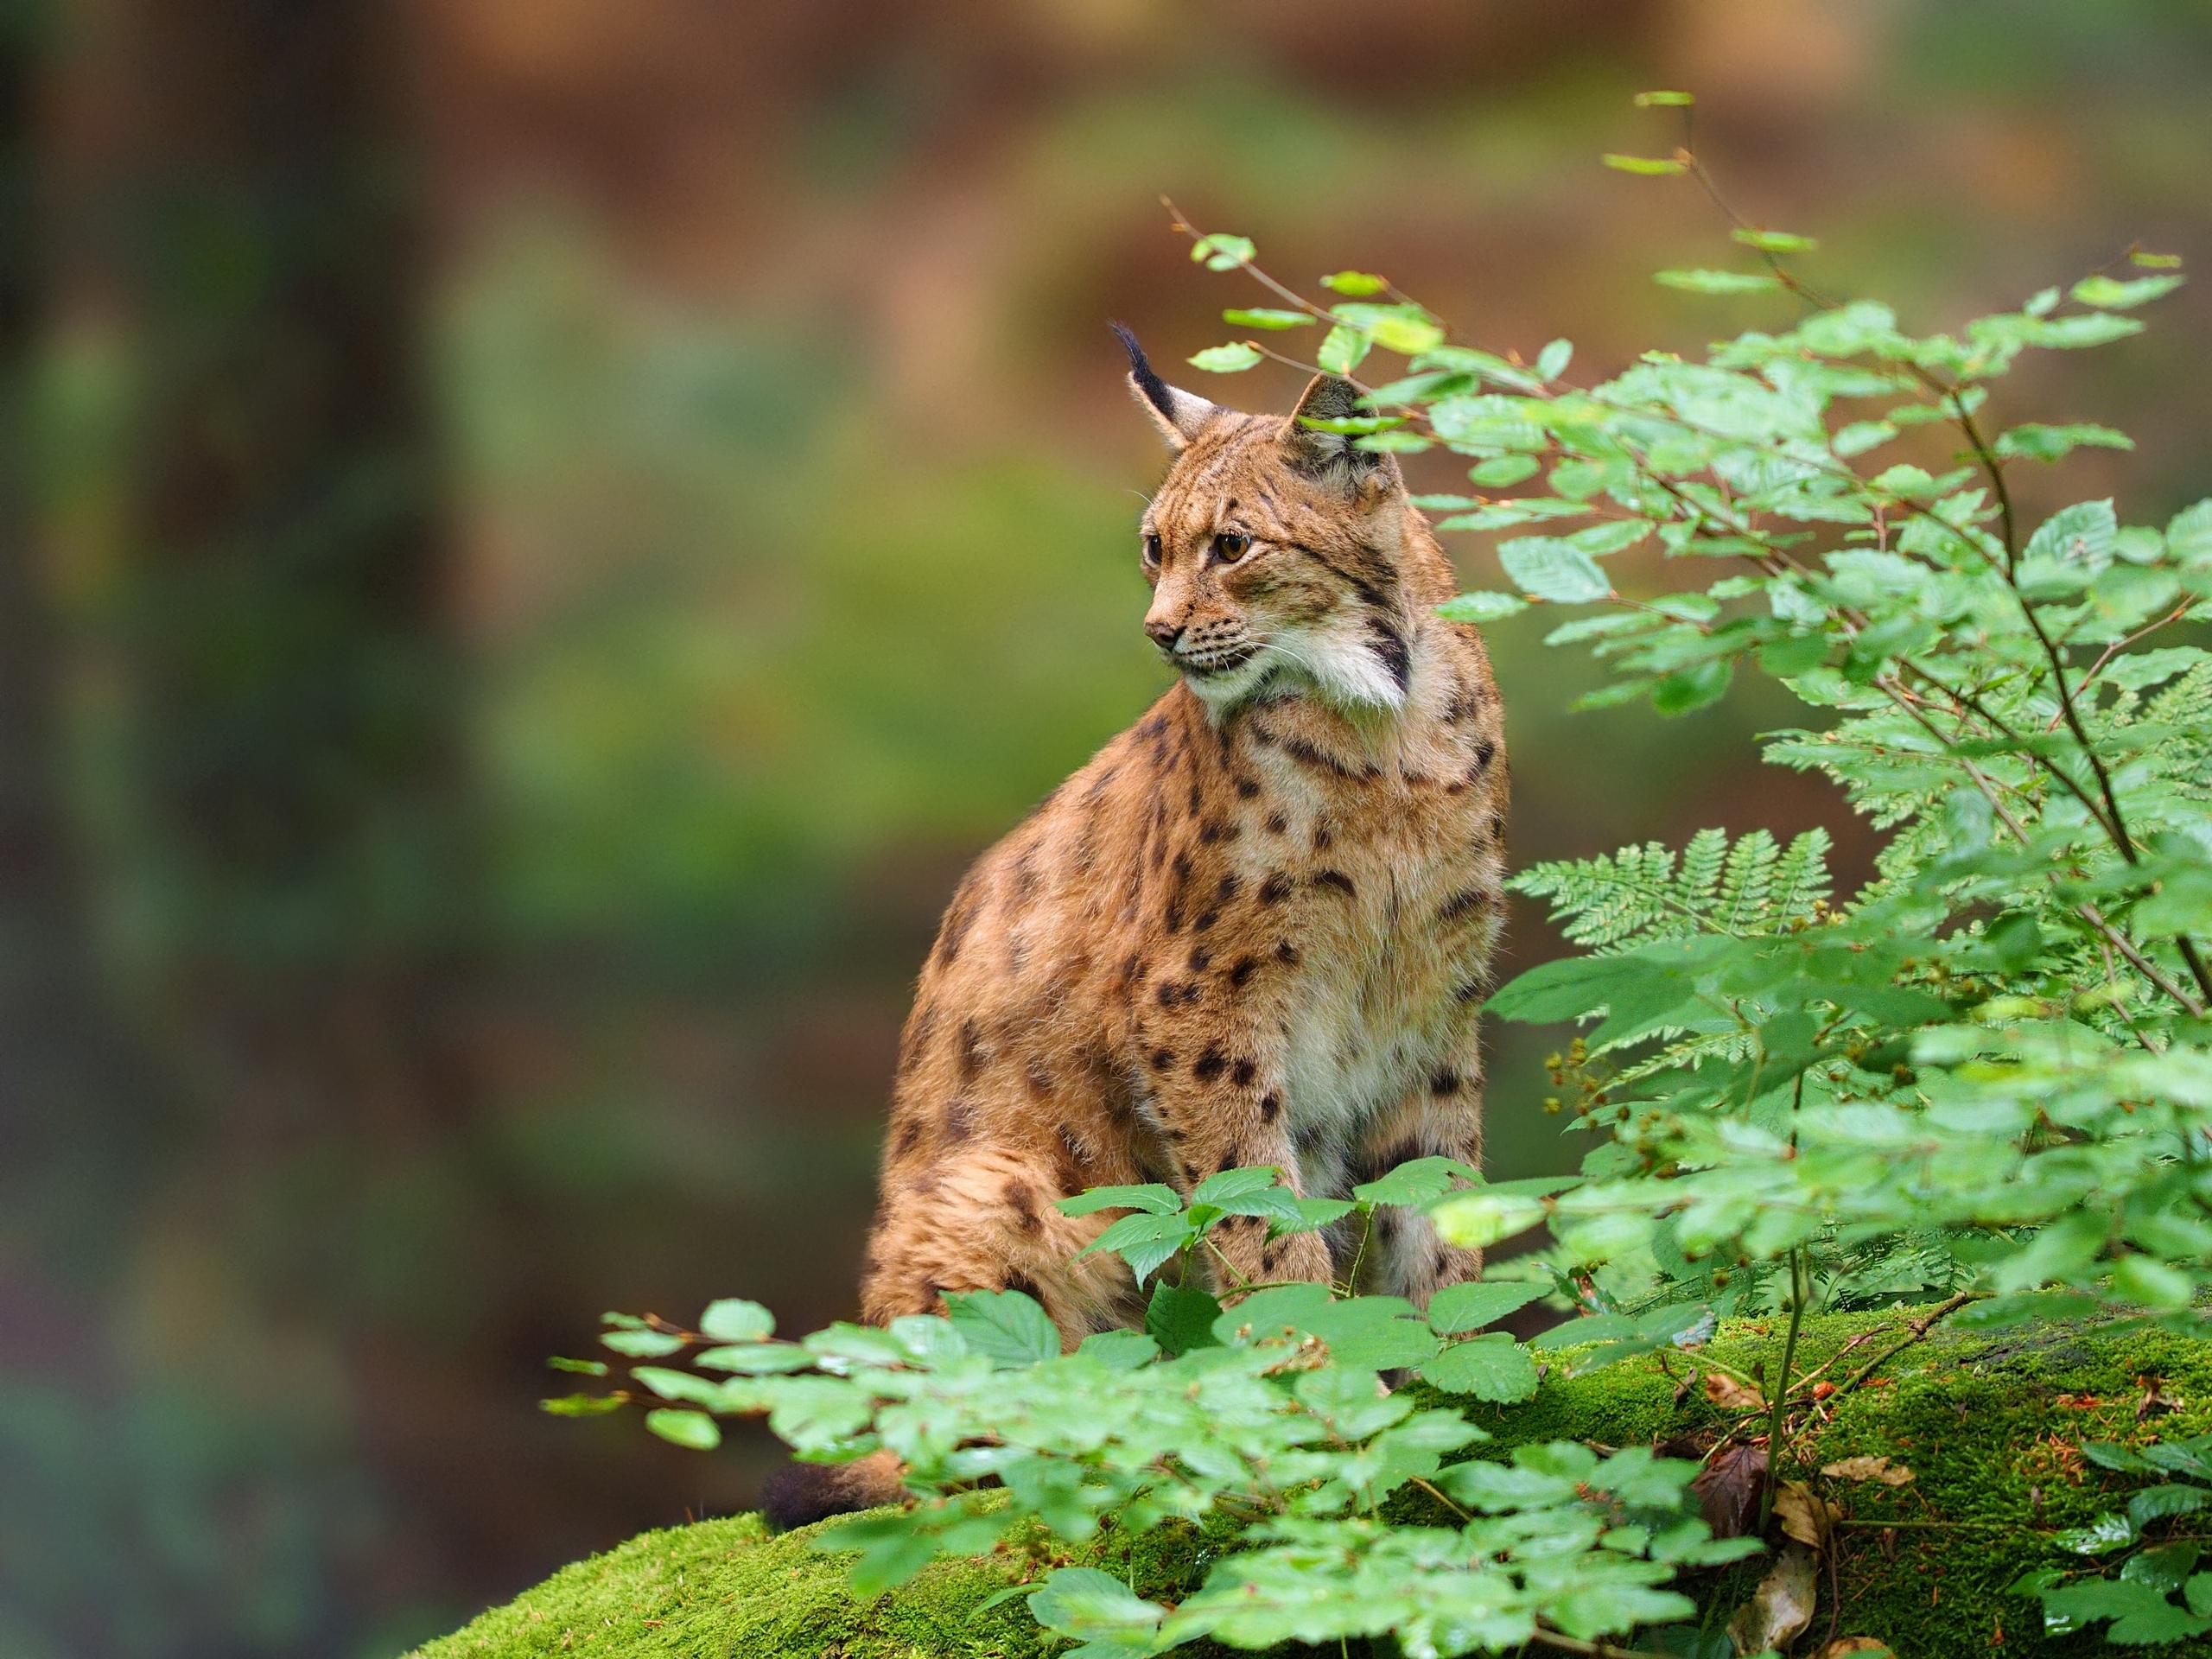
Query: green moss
[(1986, 1423)]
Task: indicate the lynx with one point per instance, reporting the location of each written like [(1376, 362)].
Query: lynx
[(1253, 930)]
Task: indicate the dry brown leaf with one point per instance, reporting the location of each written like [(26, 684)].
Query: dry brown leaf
[(1845, 1645), (1782, 1606), (1728, 1489), (1881, 1469), (1726, 1392), (1803, 1516)]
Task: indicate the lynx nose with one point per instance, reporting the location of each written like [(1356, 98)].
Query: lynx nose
[(1164, 632)]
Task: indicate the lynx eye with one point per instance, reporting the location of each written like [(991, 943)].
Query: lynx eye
[(1151, 552), (1229, 547)]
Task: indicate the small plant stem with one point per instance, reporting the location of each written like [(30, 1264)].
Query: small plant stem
[(2087, 912), (1359, 1255), (1576, 1644), (1440, 1498), (1919, 1327), (1782, 1389)]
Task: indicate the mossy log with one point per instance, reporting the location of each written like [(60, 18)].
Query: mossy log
[(1989, 1425)]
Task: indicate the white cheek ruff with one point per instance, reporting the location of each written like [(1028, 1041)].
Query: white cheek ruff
[(1335, 656)]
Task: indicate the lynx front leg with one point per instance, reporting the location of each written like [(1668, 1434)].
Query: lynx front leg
[(1220, 1114), (1404, 1256)]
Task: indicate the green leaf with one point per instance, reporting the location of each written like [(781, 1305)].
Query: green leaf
[(2082, 534), (1476, 1220), (1120, 1351), (1264, 317), (1860, 436), (680, 1385), (1552, 361), (2109, 294), (582, 1405), (1180, 1317), (2189, 535), (2149, 1282), (1090, 1605), (1145, 1241), (2165, 1569), (2034, 442), (2163, 1503), (641, 1344), (1153, 1198), (1005, 1326), (1417, 1181), (1232, 359), (1355, 284), (733, 1319), (1493, 1367), (1220, 252), (2091, 328), (1593, 1327), (1501, 470), (692, 1429), (1234, 1184), (586, 1367), (1460, 1308), (1343, 350), (2141, 1614), (1693, 687), (1774, 241), (1664, 100), (1651, 166), (1312, 1215), (1720, 282), (893, 1547), (1548, 568), (1408, 335), (2107, 1533), (1482, 605)]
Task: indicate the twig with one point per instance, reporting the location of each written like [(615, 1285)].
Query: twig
[(1576, 1644), (1782, 1391), (1440, 1498), (1920, 1328)]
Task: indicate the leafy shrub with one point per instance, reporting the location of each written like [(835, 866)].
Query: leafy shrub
[(1985, 1076)]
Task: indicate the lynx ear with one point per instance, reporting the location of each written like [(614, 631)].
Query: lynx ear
[(1180, 415), (1331, 455)]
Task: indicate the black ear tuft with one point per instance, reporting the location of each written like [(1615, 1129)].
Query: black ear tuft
[(1180, 415), (1155, 389)]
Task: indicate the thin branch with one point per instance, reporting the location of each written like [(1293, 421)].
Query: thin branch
[(1781, 1393), (1919, 1327), (1575, 1644), (2086, 910)]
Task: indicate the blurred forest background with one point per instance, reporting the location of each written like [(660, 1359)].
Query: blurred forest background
[(538, 536)]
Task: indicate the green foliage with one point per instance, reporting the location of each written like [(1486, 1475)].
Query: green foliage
[(1987, 1073), (1276, 1420)]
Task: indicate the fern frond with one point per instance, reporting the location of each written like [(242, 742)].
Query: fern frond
[(1640, 894)]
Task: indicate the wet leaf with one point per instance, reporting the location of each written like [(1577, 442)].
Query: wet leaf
[(1729, 1395), (1727, 1491), (1803, 1516), (1881, 1469), (1781, 1607)]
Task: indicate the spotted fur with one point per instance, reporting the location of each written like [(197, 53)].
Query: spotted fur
[(1253, 930)]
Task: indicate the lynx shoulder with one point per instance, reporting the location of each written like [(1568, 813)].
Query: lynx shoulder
[(1253, 930)]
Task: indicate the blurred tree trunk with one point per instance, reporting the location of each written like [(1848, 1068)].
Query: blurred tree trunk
[(78, 1102), (294, 689), (298, 824)]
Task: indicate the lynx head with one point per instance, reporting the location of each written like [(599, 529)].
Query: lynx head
[(1275, 551)]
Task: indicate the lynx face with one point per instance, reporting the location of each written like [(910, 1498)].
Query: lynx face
[(1274, 552)]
